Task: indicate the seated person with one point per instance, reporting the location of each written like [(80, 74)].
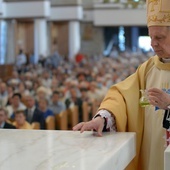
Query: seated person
[(3, 120), (74, 100), (56, 104), (20, 120), (43, 106), (3, 94), (16, 105), (42, 92), (33, 114)]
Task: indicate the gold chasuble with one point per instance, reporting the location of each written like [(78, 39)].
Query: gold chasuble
[(122, 100)]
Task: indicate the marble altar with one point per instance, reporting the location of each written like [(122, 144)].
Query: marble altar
[(167, 158), (65, 150)]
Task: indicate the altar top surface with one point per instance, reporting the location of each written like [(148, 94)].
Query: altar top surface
[(65, 150)]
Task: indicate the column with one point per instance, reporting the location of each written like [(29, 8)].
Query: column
[(4, 38), (74, 39), (1, 8), (3, 41), (128, 38), (0, 41), (134, 37), (40, 39)]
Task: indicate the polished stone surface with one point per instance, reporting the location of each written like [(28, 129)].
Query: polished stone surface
[(167, 158), (65, 150)]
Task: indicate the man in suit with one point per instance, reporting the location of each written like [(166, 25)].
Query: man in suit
[(74, 99), (3, 122), (33, 114)]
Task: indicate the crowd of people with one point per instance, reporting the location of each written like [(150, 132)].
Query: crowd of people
[(35, 92), (115, 82)]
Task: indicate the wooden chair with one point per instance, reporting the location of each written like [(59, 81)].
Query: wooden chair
[(9, 121), (94, 107), (50, 123), (85, 108), (73, 116), (61, 120), (35, 125)]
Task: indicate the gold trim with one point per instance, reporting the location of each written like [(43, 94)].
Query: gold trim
[(153, 3), (154, 18), (161, 65), (157, 13)]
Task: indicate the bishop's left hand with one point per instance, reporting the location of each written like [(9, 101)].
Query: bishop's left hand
[(158, 97)]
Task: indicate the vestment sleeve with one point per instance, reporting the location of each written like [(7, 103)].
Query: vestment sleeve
[(110, 120)]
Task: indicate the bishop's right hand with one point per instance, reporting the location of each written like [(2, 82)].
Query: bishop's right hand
[(96, 124)]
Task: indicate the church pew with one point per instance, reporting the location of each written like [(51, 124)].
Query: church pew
[(72, 116), (85, 108), (61, 120), (94, 107), (50, 123), (35, 125)]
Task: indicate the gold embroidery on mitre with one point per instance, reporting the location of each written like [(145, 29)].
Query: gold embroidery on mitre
[(156, 19), (158, 12), (152, 3)]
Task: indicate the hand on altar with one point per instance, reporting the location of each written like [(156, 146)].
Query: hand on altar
[(96, 124)]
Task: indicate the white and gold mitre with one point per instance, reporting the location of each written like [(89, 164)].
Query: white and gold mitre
[(158, 13)]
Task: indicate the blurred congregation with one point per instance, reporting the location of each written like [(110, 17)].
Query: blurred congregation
[(54, 75), (51, 90)]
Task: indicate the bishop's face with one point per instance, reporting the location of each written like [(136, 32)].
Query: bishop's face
[(160, 40)]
